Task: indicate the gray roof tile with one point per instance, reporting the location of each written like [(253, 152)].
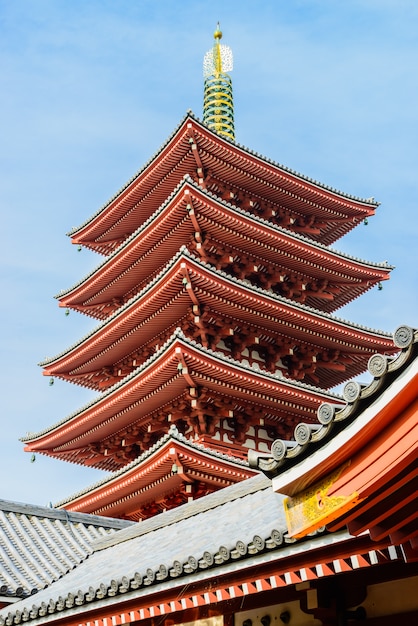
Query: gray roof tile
[(40, 544), (245, 520)]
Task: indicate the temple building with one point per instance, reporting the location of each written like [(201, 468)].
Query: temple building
[(216, 302), (264, 497)]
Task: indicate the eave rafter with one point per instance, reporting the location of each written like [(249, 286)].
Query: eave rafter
[(195, 151)]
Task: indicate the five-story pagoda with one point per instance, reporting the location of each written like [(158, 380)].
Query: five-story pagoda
[(215, 302)]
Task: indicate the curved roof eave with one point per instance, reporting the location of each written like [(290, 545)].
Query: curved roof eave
[(296, 176), (188, 182), (179, 337), (103, 208), (172, 435), (183, 252)]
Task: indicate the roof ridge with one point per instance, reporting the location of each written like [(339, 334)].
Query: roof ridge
[(9, 506)]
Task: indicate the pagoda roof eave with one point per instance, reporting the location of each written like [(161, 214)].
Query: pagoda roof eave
[(129, 197), (152, 473), (171, 369), (168, 285), (311, 256), (77, 230)]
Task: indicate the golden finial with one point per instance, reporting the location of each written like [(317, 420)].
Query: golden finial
[(218, 108)]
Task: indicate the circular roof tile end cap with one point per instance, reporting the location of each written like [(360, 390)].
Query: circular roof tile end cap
[(352, 391), (162, 573), (225, 553), (279, 448), (136, 581), (150, 575), (303, 433), (259, 543), (193, 563), (277, 537), (208, 558), (241, 548), (326, 413), (403, 337), (177, 567), (378, 365)]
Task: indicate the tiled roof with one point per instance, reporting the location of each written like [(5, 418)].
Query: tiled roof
[(40, 544), (332, 418), (187, 180), (247, 529), (237, 283), (180, 336), (244, 519), (245, 284)]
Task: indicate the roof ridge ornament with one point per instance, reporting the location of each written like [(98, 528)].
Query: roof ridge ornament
[(218, 106)]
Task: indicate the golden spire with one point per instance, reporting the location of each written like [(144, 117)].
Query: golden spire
[(217, 58), (218, 106)]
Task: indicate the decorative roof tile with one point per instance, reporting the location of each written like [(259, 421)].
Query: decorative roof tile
[(332, 418)]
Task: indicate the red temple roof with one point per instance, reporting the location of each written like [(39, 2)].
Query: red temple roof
[(194, 149), (189, 291), (320, 277), (144, 401), (173, 471)]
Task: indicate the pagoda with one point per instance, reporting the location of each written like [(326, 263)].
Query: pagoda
[(215, 302)]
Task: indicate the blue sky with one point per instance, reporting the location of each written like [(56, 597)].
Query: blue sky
[(89, 91)]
